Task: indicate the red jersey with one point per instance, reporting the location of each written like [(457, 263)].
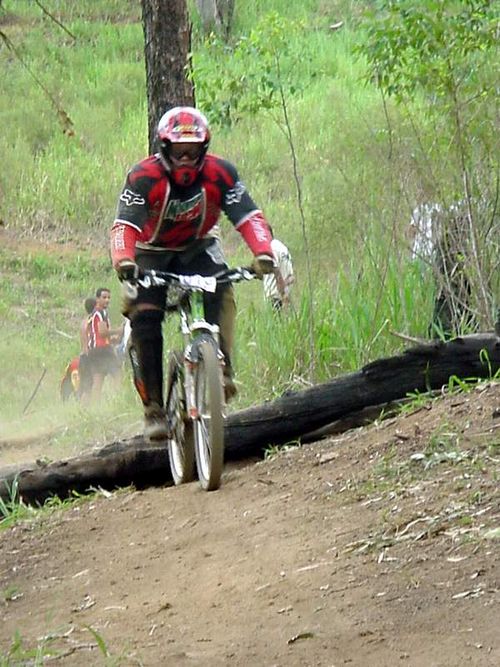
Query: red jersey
[(155, 213), (95, 339)]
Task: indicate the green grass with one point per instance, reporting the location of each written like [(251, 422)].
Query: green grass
[(53, 646), (14, 510), (360, 168)]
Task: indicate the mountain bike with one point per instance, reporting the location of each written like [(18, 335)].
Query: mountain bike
[(195, 403)]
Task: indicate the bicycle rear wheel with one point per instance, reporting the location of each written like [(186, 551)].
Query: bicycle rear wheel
[(180, 441), (209, 427)]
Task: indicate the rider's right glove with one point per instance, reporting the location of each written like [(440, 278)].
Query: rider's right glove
[(263, 264), (128, 270)]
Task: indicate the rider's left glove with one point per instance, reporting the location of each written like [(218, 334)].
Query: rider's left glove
[(128, 270), (263, 264)]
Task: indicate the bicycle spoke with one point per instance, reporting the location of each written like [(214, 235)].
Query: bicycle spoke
[(209, 429), (180, 442)]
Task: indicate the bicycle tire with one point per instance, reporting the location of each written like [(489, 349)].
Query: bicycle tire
[(209, 425), (181, 439)]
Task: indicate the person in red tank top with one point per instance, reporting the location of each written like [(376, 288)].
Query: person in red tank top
[(167, 220), (102, 358)]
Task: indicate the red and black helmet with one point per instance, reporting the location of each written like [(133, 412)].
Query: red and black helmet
[(183, 137)]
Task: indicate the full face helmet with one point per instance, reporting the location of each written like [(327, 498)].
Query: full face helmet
[(183, 137)]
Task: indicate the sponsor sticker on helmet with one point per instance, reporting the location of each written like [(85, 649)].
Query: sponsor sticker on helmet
[(188, 129)]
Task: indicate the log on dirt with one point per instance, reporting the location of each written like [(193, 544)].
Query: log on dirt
[(116, 465), (419, 369), (248, 432)]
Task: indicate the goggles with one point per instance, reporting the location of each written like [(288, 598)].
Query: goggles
[(190, 150)]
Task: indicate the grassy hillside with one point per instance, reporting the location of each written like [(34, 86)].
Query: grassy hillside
[(73, 113)]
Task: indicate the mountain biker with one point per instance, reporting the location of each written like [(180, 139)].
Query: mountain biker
[(167, 220)]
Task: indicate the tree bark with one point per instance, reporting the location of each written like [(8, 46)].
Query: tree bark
[(167, 45), (248, 432)]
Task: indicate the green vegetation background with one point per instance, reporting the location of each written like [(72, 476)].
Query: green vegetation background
[(358, 175)]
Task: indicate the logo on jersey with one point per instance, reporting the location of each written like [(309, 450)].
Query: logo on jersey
[(259, 227), (234, 195), (118, 233), (130, 198), (185, 211)]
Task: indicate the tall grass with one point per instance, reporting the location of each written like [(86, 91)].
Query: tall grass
[(358, 172)]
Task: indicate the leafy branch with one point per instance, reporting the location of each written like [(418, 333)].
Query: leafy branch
[(253, 75), (441, 53)]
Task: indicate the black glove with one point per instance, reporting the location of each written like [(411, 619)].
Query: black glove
[(130, 271), (263, 264)]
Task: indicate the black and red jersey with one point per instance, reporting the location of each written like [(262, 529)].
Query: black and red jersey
[(96, 339), (155, 213)]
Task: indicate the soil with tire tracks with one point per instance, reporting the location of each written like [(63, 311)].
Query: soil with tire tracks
[(377, 547)]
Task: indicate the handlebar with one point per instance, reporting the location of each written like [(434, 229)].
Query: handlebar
[(188, 283)]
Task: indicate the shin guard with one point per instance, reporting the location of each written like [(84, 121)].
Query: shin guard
[(146, 355)]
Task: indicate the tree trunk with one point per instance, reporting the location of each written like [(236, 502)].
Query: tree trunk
[(248, 432), (167, 44)]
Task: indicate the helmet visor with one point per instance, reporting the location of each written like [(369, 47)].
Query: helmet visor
[(191, 151)]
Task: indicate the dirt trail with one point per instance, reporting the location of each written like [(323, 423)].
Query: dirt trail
[(376, 548)]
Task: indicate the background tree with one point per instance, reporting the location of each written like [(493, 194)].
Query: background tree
[(259, 76), (437, 55), (167, 44)]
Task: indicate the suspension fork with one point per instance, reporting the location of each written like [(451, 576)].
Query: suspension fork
[(194, 327), (187, 360)]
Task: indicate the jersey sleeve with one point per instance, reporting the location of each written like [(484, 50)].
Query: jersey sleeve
[(241, 210), (123, 240), (132, 207), (131, 216)]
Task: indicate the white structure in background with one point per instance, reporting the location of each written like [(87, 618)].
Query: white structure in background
[(423, 230), (431, 224)]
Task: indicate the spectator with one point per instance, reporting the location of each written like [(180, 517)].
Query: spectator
[(84, 370), (77, 378), (101, 338), (439, 240)]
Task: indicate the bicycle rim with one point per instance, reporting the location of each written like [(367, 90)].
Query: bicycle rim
[(180, 442), (209, 427)]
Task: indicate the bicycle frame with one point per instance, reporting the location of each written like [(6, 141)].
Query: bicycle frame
[(195, 402)]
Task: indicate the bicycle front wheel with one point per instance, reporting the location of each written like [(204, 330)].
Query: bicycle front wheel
[(180, 441), (209, 426)]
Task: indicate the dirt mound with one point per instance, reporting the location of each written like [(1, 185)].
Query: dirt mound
[(379, 547)]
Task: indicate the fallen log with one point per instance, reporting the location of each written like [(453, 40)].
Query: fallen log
[(116, 465), (248, 432), (419, 369)]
